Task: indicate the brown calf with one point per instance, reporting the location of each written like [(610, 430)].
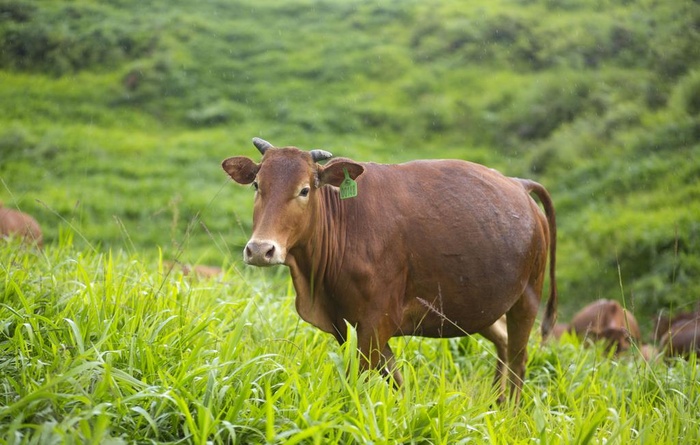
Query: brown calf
[(606, 320), (16, 223), (679, 335), (197, 270)]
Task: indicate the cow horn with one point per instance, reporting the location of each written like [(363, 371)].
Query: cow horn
[(320, 155), (262, 145)]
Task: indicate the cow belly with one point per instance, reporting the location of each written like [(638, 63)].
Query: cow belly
[(463, 285), (453, 306)]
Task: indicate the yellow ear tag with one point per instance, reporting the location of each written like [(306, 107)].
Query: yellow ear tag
[(348, 188)]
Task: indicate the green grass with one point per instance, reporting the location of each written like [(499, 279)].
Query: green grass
[(108, 347)]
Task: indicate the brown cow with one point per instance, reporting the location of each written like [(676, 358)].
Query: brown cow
[(607, 320), (438, 248), (664, 323), (679, 335), (559, 329), (197, 270), (16, 223)]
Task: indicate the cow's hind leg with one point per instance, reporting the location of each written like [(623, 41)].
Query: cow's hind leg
[(497, 333), (520, 319)]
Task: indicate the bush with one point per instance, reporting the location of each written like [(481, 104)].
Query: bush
[(685, 97), (673, 45), (70, 40), (536, 113), (16, 11)]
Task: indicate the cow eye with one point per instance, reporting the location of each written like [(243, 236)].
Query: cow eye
[(304, 192)]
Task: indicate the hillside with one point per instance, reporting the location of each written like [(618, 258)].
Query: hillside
[(115, 117)]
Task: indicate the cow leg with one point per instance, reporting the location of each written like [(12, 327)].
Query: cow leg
[(497, 333), (520, 319), (389, 368), (375, 353), (372, 358)]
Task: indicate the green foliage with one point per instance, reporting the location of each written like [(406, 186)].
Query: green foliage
[(685, 96), (63, 39), (109, 347)]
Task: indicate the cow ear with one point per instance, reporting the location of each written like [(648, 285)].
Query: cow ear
[(241, 169), (334, 174)]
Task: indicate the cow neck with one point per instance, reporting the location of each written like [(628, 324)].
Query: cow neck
[(315, 265), (320, 259)]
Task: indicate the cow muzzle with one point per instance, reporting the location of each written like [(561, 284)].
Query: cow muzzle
[(263, 253)]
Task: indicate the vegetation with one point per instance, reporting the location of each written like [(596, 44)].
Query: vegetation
[(115, 117), (102, 347)]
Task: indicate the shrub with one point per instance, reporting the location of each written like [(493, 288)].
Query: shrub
[(70, 40), (536, 113), (685, 97), (16, 11)]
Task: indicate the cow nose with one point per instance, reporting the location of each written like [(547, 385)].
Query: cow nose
[(261, 253), (255, 250)]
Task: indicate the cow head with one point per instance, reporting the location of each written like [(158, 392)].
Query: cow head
[(287, 184)]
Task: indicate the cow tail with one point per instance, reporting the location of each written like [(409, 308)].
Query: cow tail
[(550, 315)]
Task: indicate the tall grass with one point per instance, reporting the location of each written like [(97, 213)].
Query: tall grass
[(105, 347)]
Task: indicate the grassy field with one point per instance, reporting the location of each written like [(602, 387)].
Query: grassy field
[(115, 116), (105, 347)]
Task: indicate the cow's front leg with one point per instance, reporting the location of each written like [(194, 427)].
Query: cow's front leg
[(375, 353), (389, 368)]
